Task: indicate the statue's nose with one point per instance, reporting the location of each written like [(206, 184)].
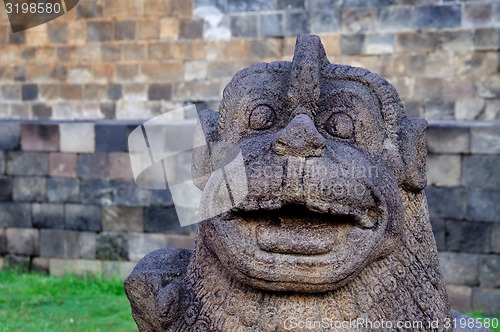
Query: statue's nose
[(300, 138)]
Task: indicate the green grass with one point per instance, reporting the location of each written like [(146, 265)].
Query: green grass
[(35, 302), (483, 318)]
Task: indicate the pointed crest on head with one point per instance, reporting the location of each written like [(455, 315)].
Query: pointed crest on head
[(308, 60)]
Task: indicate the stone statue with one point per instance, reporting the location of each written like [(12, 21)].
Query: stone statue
[(333, 230)]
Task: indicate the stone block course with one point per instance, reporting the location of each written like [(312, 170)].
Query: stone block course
[(486, 299), (446, 202), (62, 164), (29, 189), (481, 171), (83, 217), (112, 246), (120, 167), (48, 216), (63, 190), (448, 139), (158, 219), (59, 243), (22, 241), (81, 267), (468, 237), (39, 137), (460, 297), (460, 268), (140, 244), (77, 137), (445, 16), (444, 170), (485, 140), (27, 163), (482, 205), (15, 215), (489, 271), (122, 219)]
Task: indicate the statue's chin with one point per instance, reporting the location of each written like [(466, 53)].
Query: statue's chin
[(294, 250)]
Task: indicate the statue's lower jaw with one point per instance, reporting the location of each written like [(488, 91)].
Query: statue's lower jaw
[(292, 254)]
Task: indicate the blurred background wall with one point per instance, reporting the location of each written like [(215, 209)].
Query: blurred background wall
[(72, 90)]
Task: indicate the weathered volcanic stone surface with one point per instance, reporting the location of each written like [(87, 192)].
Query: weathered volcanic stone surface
[(313, 210)]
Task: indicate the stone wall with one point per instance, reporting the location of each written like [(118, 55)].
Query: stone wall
[(68, 198), (131, 60), (71, 204), (134, 59)]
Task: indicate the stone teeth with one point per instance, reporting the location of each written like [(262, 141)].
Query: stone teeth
[(366, 222)]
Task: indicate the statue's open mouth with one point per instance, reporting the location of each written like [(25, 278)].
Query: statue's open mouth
[(296, 230)]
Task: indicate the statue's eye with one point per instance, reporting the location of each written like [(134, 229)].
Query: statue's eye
[(340, 125), (262, 117)]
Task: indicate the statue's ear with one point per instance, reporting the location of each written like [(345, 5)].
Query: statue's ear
[(205, 137), (414, 152)]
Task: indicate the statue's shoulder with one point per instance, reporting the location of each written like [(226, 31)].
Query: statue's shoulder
[(156, 288), (169, 262)]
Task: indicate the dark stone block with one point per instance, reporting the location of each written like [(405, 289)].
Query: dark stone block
[(326, 21), (460, 268), (29, 189), (114, 91), (323, 4), (130, 194), (89, 9), (271, 25), (2, 163), (125, 30), (112, 246), (99, 31), (110, 138), (446, 202), (417, 42), (10, 134), (15, 215), (158, 91), (58, 33), (394, 18), (3, 242), (439, 230), (42, 111), (481, 171), (291, 4), (59, 243), (161, 197), (29, 91), (482, 205), (357, 3), (158, 219), (108, 110), (260, 48), (63, 190), (446, 16), (352, 44), (251, 6), (477, 14), (27, 163), (93, 165), (5, 189), (16, 38), (191, 28), (467, 236), (48, 216), (97, 191), (489, 271), (486, 39), (357, 20), (297, 23), (83, 217), (244, 26)]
